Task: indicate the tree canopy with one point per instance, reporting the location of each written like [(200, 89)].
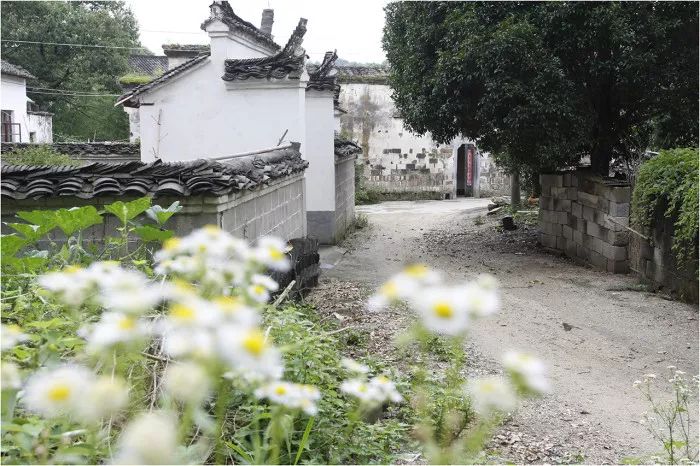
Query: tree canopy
[(69, 68), (542, 84)]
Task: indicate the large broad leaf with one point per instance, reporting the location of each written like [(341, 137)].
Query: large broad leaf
[(10, 245), (77, 218), (29, 231), (44, 219), (161, 215), (149, 233), (126, 211)]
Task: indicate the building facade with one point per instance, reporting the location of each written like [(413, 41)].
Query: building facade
[(21, 121)]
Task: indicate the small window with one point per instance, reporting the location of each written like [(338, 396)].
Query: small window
[(32, 136)]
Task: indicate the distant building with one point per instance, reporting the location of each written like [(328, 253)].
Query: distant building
[(396, 160), (21, 120)]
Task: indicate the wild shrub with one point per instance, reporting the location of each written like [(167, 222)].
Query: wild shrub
[(39, 154)]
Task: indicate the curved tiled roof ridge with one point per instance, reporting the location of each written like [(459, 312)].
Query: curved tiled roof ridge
[(345, 148), (320, 78), (197, 177), (369, 74), (15, 70), (127, 97), (288, 63), (231, 19)]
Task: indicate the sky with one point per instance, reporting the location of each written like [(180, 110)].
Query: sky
[(353, 27)]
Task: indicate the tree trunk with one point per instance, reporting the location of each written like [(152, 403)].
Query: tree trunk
[(600, 158), (515, 189)]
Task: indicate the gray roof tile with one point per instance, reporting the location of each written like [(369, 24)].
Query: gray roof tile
[(15, 70)]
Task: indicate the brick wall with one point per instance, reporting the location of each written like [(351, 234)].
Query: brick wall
[(275, 209), (585, 217), (344, 195)]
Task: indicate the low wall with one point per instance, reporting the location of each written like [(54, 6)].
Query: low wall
[(585, 217), (653, 260), (344, 195), (273, 209), (414, 182)]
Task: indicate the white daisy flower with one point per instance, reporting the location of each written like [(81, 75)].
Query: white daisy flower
[(103, 398), (187, 382), (9, 376), (193, 312), (421, 274), (397, 288), (149, 439), (57, 392), (10, 335), (114, 328), (291, 395), (528, 373), (195, 342), (354, 366), (235, 310), (386, 389), (72, 285), (443, 310), (258, 293), (361, 390), (271, 252), (491, 394), (482, 302), (264, 280), (249, 352)]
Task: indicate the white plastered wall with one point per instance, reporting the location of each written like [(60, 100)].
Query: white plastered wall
[(13, 96), (319, 151)]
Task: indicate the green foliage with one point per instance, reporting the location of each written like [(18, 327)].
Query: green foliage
[(82, 69), (667, 186), (134, 79), (543, 83), (38, 155)]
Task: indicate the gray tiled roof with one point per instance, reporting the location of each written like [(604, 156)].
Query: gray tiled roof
[(86, 150), (128, 98), (345, 148), (371, 74), (15, 70), (198, 177), (200, 49), (223, 12), (148, 65), (288, 63)]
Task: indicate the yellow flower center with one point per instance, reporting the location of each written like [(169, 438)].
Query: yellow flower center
[(59, 392), (362, 388), (275, 254), (389, 289), (255, 343), (182, 312), (488, 387), (416, 270), (183, 286), (258, 289), (228, 304), (171, 243), (127, 323), (280, 390), (382, 379), (443, 310), (72, 269)]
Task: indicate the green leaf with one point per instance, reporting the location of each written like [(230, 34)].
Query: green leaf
[(304, 439), (10, 245), (244, 454), (29, 231), (45, 219), (77, 218), (126, 211), (160, 215), (149, 233)]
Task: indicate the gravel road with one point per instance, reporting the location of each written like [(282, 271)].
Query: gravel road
[(612, 337)]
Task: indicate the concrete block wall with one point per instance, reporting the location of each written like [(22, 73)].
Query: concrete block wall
[(276, 209), (344, 196), (585, 217)]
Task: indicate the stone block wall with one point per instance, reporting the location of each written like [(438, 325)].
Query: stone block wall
[(417, 182), (585, 217), (344, 195), (274, 209)]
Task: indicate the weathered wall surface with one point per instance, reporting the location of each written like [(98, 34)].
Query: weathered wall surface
[(653, 260), (41, 125), (14, 98), (584, 217), (344, 195), (492, 180), (415, 182), (275, 209)]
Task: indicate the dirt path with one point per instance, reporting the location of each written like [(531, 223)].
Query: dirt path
[(617, 335)]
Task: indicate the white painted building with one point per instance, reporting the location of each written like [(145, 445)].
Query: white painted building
[(19, 122), (244, 93), (396, 160)]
